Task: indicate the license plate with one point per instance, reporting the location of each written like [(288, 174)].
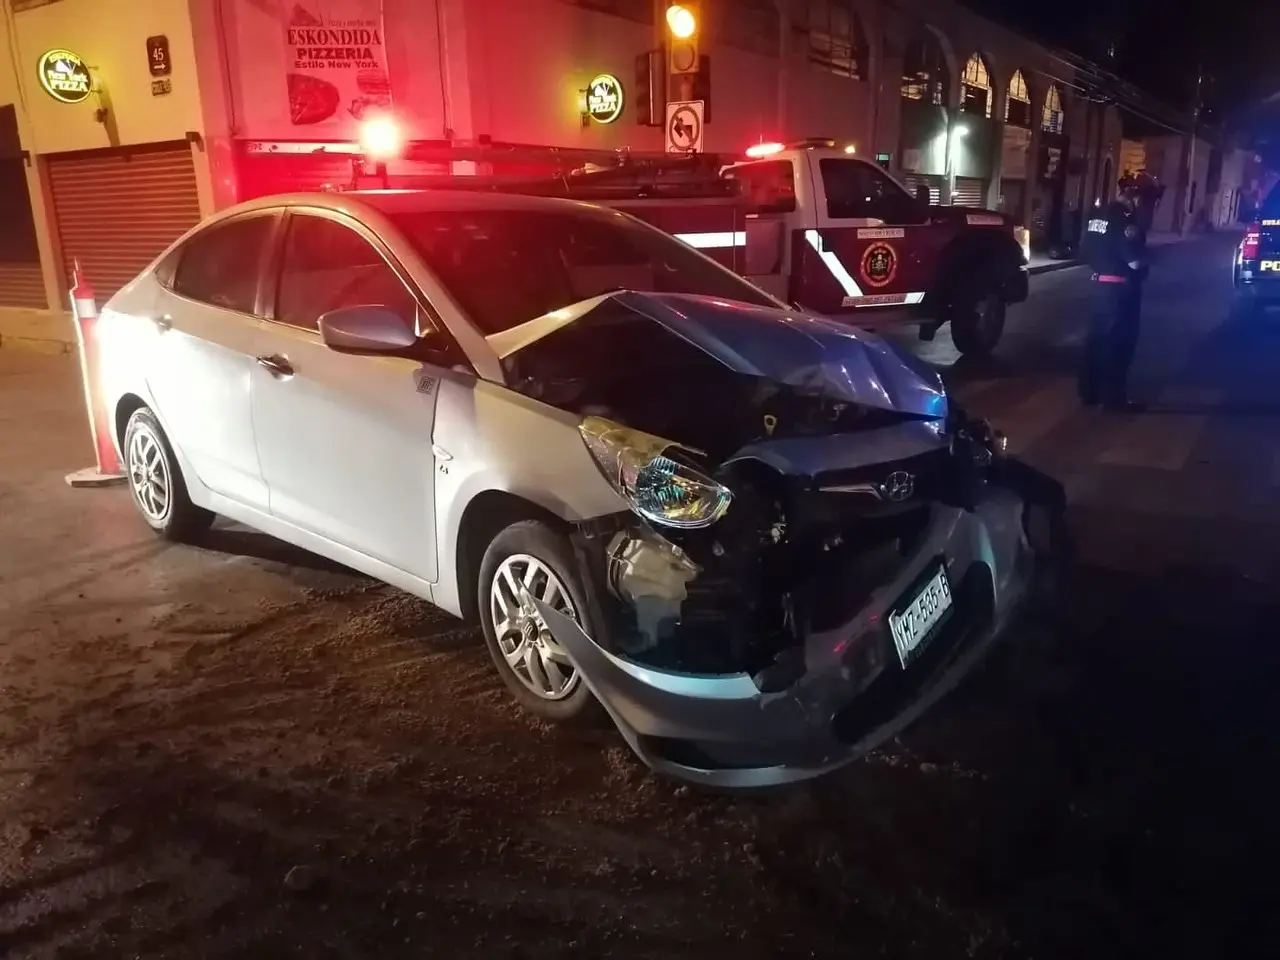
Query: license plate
[(915, 621)]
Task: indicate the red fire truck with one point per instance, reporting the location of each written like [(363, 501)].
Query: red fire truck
[(810, 222)]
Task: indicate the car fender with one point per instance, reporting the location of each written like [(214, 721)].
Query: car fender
[(975, 253), (488, 438)]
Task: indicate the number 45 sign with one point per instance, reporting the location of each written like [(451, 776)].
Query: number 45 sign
[(158, 56)]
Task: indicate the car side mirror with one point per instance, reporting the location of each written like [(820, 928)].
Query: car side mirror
[(368, 329)]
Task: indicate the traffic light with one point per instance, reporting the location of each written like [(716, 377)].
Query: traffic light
[(651, 88), (702, 86), (682, 25)]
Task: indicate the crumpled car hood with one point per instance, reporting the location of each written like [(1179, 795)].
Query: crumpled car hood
[(796, 349)]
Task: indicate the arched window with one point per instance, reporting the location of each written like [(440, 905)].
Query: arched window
[(836, 40), (924, 70), (1017, 107), (976, 93), (1052, 121)]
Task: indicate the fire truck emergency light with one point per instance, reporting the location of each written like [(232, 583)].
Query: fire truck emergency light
[(681, 21), (757, 150), (381, 138)]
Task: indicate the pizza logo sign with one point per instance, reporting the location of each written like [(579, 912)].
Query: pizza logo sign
[(879, 264), (64, 76)]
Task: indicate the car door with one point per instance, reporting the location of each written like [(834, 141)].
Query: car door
[(206, 337), (345, 441), (872, 235)]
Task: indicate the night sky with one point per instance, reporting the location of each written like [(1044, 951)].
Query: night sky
[(1159, 42)]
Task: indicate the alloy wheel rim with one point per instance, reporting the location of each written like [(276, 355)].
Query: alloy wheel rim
[(531, 652), (149, 474)]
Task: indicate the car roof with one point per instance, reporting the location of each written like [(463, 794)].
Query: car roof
[(390, 202)]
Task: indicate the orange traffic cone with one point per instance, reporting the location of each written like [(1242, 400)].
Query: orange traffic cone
[(106, 471)]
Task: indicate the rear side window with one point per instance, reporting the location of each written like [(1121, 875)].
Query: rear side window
[(220, 265), (327, 265), (768, 186)]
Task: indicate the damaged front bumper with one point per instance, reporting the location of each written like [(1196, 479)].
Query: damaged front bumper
[(851, 690)]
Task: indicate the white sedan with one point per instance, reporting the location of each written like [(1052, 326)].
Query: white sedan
[(761, 540)]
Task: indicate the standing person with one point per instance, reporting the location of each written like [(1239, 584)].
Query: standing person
[(1115, 248)]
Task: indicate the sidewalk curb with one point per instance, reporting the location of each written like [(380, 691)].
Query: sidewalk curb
[(1052, 266), (43, 345)]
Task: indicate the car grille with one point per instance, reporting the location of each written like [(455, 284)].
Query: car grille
[(865, 488)]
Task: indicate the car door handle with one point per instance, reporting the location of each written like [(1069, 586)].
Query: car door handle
[(277, 365), (162, 323)]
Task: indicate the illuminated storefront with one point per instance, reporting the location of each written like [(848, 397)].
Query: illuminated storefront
[(134, 119)]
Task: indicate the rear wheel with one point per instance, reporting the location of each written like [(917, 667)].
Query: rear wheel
[(978, 321), (156, 481)]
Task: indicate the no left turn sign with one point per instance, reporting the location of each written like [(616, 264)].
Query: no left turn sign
[(684, 126)]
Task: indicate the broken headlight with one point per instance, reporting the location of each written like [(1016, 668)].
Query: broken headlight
[(651, 475)]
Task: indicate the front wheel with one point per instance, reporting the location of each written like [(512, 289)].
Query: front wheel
[(978, 323), (526, 560)]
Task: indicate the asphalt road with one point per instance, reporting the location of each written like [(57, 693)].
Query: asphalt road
[(242, 751)]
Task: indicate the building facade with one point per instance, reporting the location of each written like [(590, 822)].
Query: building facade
[(128, 121)]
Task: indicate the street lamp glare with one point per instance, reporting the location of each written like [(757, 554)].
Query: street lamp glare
[(681, 22), (961, 131)]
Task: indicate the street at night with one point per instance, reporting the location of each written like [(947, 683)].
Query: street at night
[(241, 750)]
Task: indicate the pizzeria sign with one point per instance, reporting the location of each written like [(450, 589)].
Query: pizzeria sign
[(64, 76), (604, 98)]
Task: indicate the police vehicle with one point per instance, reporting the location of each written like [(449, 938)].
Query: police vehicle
[(1255, 272)]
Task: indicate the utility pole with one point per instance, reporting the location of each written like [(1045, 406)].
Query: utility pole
[(1190, 197)]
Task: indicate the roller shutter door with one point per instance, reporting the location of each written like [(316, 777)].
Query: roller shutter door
[(970, 192), (266, 174), (936, 185), (116, 210)]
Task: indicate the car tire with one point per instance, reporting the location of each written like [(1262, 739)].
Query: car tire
[(523, 649), (156, 482), (978, 321)]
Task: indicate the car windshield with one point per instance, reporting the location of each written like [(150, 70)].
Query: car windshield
[(505, 267)]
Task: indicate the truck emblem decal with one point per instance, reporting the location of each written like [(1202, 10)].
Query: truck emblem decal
[(879, 264)]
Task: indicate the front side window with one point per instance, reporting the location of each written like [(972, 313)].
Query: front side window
[(221, 264), (506, 267), (858, 190), (327, 266)]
